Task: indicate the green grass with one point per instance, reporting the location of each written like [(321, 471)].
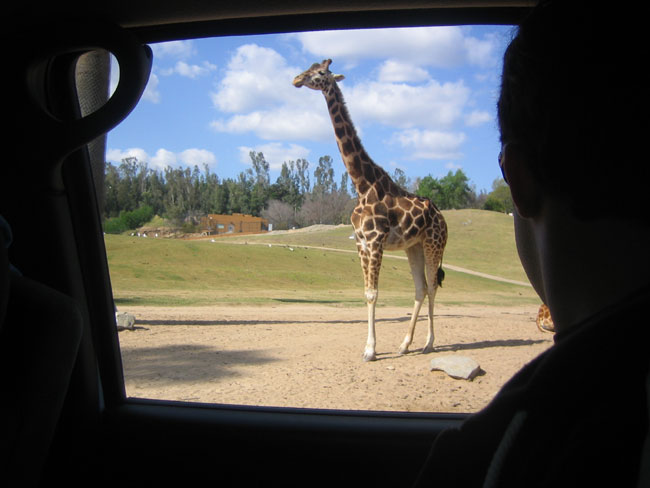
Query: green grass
[(147, 271), (335, 237), (478, 240), (483, 241)]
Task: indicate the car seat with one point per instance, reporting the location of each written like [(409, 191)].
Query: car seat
[(40, 332)]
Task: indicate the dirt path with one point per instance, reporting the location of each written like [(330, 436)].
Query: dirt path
[(310, 356)]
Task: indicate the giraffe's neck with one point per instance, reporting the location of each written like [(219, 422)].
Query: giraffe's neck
[(362, 170)]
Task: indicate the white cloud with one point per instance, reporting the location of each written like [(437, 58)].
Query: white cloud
[(478, 117), (427, 144), (482, 52), (151, 92), (432, 105), (164, 157), (173, 49), (283, 123), (198, 157), (256, 78), (117, 155), (275, 153), (257, 90), (192, 71), (453, 166), (425, 46), (392, 71)]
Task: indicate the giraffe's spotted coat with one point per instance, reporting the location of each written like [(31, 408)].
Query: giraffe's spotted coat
[(544, 320), (386, 217)]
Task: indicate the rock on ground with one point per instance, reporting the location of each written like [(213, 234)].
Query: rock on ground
[(124, 320), (459, 367)]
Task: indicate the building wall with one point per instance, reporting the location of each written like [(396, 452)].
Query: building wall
[(232, 224)]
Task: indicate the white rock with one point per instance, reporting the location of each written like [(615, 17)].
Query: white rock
[(125, 320), (459, 367)]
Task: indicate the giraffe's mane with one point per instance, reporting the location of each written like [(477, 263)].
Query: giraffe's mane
[(346, 114)]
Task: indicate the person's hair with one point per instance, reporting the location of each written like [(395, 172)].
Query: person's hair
[(575, 95)]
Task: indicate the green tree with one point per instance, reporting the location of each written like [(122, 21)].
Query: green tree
[(128, 220), (302, 173), (400, 178), (259, 182), (259, 169), (177, 204), (429, 187), (127, 187), (136, 218), (208, 187), (324, 175), (111, 185), (239, 193), (154, 195), (220, 199), (287, 186), (499, 199), (343, 187), (453, 191)]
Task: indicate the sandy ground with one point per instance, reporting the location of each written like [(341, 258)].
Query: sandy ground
[(310, 356)]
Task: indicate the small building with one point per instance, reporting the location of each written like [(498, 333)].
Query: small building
[(214, 224)]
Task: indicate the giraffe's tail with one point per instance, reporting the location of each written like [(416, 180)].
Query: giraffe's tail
[(441, 275)]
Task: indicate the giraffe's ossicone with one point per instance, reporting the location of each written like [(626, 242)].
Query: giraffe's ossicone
[(386, 217)]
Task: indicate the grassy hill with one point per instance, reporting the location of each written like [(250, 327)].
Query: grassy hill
[(478, 240), (281, 268)]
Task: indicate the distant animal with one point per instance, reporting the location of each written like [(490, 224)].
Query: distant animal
[(544, 320)]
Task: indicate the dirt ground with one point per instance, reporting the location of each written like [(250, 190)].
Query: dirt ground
[(310, 356)]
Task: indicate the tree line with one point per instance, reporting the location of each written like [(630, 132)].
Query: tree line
[(134, 193)]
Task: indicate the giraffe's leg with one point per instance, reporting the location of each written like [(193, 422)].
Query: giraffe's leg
[(415, 256), (370, 263), (369, 353), (433, 259)]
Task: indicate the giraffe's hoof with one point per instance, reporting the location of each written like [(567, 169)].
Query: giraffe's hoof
[(427, 349), (403, 350), (369, 356)]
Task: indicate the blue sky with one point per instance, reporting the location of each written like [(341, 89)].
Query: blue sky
[(422, 99)]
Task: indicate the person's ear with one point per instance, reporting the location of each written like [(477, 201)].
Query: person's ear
[(525, 190)]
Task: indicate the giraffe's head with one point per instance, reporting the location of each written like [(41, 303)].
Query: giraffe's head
[(318, 77)]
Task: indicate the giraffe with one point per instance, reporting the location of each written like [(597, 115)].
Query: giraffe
[(544, 320), (386, 216)]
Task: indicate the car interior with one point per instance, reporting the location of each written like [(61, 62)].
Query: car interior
[(65, 414)]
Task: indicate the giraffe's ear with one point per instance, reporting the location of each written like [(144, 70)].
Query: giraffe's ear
[(339, 77)]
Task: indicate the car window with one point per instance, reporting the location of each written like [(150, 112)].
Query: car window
[(233, 261)]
